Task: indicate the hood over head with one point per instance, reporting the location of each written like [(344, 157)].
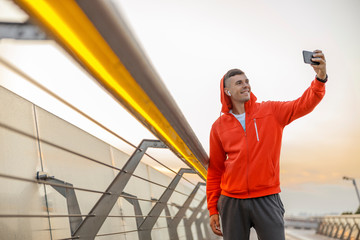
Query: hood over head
[(226, 100)]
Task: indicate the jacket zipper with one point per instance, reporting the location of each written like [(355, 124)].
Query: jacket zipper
[(248, 160), (247, 164), (247, 148), (256, 130)]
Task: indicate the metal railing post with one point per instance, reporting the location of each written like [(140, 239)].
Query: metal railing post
[(70, 196), (137, 209), (90, 226), (173, 223), (188, 222), (149, 222)]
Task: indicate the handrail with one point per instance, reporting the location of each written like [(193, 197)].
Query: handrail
[(100, 41)]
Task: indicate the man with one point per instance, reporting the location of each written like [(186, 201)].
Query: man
[(243, 176)]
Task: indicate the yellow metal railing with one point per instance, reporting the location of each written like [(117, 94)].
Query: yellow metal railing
[(71, 27)]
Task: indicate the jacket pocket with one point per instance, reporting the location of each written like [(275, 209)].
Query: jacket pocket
[(234, 179), (280, 204), (265, 175)]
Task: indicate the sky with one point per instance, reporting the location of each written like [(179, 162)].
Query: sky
[(191, 44)]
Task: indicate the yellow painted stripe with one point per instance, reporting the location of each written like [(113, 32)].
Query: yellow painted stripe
[(67, 22)]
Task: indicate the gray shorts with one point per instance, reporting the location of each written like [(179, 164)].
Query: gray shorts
[(265, 214)]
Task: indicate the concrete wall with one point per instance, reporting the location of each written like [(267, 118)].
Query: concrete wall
[(23, 156)]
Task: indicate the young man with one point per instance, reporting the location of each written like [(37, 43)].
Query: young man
[(243, 175)]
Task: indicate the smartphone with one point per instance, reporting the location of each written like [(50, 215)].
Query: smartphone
[(307, 57)]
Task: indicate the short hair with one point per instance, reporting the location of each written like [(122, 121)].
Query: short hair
[(231, 73)]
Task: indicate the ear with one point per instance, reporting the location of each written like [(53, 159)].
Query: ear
[(227, 92)]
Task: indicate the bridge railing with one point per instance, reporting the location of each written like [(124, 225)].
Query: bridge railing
[(58, 182), (345, 227)]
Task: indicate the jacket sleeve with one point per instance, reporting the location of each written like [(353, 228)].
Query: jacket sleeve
[(286, 112), (215, 171)]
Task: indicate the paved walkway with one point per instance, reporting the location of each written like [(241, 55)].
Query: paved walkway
[(291, 234), (296, 234)]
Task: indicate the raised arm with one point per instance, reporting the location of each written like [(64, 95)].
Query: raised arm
[(286, 112)]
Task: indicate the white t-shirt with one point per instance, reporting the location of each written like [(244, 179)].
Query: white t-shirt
[(241, 118)]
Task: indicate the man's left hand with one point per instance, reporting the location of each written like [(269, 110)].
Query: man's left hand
[(321, 68)]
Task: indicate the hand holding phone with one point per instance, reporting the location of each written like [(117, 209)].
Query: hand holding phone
[(319, 66), (307, 57)]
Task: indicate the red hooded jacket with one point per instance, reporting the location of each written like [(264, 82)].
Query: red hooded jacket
[(245, 164)]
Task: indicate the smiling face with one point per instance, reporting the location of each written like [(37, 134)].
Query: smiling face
[(239, 88)]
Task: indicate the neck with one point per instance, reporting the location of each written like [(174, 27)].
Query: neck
[(238, 108)]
